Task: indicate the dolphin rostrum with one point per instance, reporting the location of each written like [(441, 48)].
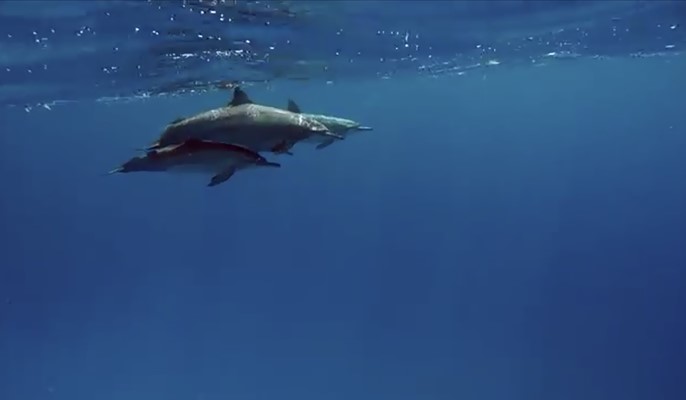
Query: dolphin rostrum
[(340, 126), (222, 160), (242, 122)]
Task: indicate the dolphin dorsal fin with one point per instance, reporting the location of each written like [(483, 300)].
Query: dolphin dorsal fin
[(293, 107), (176, 121), (239, 97)]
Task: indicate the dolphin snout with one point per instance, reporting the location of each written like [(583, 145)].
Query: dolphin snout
[(364, 128), (117, 170), (141, 163)]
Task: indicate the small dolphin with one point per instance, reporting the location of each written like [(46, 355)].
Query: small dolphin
[(197, 156), (340, 126), (242, 122)]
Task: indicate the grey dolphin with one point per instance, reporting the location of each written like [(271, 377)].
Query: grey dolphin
[(242, 122), (337, 125), (222, 160)]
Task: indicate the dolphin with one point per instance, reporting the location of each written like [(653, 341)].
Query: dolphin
[(242, 122), (340, 126), (222, 160)]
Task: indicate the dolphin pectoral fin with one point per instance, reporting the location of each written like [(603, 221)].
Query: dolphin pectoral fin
[(239, 97), (325, 144), (270, 164), (293, 107), (331, 135), (222, 177), (283, 147)]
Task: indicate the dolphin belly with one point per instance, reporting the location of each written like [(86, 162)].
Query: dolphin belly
[(202, 162), (258, 139), (193, 169), (257, 136)]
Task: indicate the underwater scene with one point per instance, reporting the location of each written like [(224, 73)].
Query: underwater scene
[(335, 200)]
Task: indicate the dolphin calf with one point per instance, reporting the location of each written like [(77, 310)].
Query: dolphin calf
[(242, 122), (340, 126), (222, 160)]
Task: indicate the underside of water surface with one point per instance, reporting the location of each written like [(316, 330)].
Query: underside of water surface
[(75, 50), (512, 228)]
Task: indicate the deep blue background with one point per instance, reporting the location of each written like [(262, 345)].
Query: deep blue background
[(507, 234)]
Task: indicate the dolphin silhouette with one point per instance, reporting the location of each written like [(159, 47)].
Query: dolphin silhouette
[(222, 160), (243, 122), (337, 125)]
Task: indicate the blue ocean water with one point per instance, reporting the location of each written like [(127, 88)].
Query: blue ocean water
[(514, 227)]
